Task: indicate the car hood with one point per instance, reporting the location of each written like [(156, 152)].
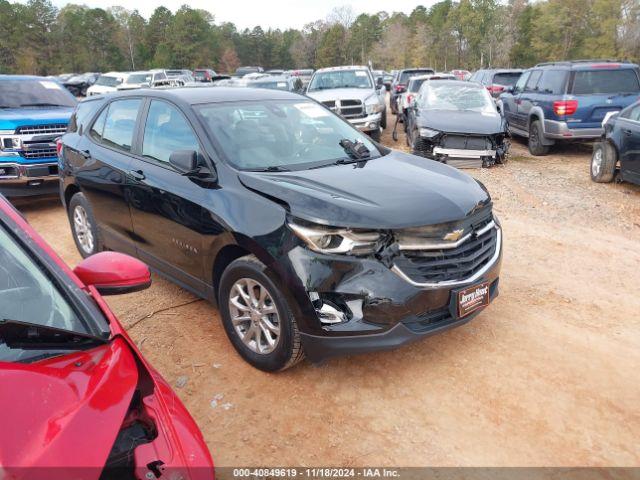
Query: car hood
[(12, 118), (395, 191), (341, 93), (69, 409), (461, 122)]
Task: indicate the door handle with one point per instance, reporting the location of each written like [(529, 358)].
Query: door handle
[(137, 175), (627, 132), (85, 153)]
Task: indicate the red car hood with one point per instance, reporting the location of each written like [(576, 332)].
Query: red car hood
[(89, 392)]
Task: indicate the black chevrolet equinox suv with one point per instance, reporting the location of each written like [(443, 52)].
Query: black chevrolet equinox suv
[(312, 239)]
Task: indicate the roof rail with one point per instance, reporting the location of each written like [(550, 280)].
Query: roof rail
[(570, 62)]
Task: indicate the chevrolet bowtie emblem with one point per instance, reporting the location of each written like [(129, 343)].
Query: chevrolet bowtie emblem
[(454, 236)]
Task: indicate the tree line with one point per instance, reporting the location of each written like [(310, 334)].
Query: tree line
[(38, 38)]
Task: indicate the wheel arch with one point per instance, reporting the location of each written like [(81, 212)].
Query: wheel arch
[(69, 192)]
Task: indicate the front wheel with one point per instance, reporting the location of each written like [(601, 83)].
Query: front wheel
[(257, 317), (603, 162), (375, 135)]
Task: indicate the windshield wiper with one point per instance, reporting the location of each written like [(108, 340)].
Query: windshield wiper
[(272, 168), (42, 104), (356, 150), (33, 336)]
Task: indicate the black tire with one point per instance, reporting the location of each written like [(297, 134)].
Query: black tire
[(383, 120), (375, 135), (536, 147), (77, 205), (288, 350), (603, 162)]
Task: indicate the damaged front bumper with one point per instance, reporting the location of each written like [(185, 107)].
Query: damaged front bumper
[(464, 150), (373, 306)]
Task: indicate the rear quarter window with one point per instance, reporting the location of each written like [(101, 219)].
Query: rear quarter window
[(82, 115), (587, 82)]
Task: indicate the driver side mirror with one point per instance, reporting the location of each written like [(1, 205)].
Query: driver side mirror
[(113, 273), (379, 82), (184, 161)]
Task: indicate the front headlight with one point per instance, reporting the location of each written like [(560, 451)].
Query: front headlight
[(9, 141), (428, 133), (336, 240), (373, 108)]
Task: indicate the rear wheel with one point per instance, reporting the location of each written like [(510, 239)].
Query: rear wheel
[(603, 162), (257, 317), (83, 226), (536, 135)]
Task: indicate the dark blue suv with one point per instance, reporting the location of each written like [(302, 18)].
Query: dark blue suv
[(562, 101)]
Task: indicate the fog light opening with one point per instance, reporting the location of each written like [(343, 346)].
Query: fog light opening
[(330, 311)]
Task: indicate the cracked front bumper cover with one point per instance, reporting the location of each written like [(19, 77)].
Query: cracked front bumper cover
[(384, 310), (319, 348)]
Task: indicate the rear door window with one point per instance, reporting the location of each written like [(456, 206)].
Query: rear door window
[(120, 124), (605, 82), (532, 83), (553, 81), (522, 81), (633, 113)]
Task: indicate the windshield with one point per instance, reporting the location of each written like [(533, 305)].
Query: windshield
[(140, 78), (606, 82), (27, 294), (106, 81), (456, 97), (286, 134), (341, 79), (17, 93)]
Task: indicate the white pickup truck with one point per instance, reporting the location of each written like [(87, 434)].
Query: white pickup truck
[(351, 92)]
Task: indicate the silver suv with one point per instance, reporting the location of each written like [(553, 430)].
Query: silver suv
[(351, 92)]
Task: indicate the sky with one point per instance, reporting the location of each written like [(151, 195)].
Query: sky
[(266, 13)]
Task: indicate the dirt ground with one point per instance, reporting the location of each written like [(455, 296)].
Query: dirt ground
[(547, 375)]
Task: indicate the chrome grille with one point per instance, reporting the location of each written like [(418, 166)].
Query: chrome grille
[(346, 108), (40, 153), (426, 258), (42, 129)]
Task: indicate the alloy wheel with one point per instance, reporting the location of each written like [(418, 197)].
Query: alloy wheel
[(254, 316), (82, 229), (596, 162)]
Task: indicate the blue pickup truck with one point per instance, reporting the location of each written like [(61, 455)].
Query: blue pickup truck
[(567, 101), (34, 112)]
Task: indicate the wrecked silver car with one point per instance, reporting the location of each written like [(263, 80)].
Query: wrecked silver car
[(457, 123)]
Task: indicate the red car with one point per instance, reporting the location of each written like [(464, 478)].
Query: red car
[(77, 398)]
